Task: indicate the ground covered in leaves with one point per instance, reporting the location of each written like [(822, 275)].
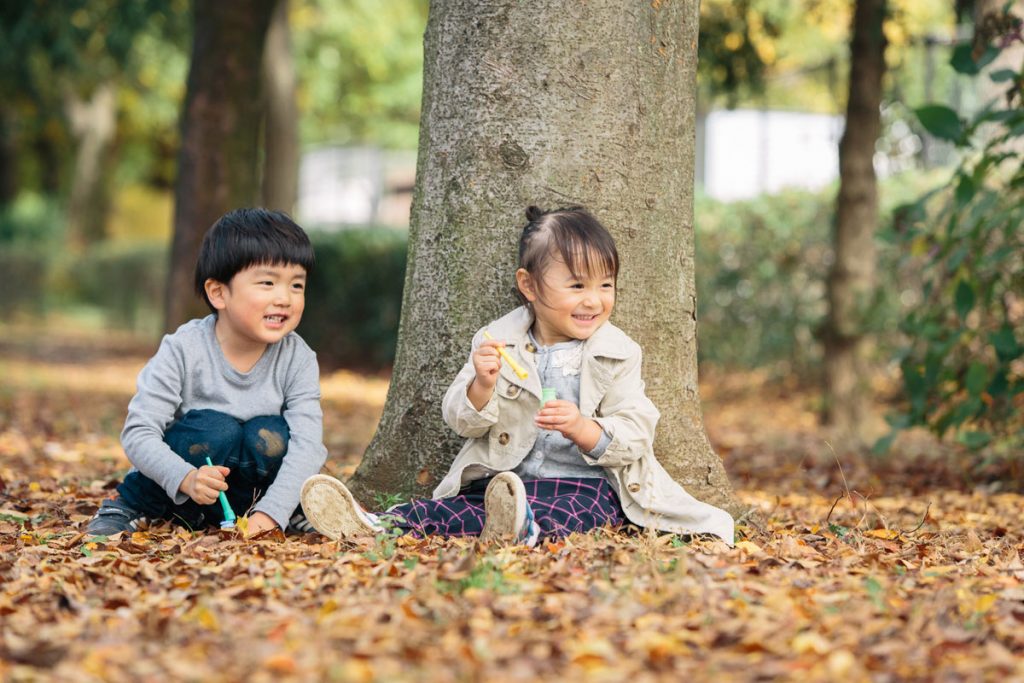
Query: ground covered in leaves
[(852, 569)]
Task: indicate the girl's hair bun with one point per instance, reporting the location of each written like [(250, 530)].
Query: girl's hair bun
[(533, 213)]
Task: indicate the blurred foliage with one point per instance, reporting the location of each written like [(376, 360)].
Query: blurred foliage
[(50, 51), (761, 268), (963, 362), (360, 65), (124, 280), (354, 297), (792, 54), (25, 268), (32, 220), (141, 213)]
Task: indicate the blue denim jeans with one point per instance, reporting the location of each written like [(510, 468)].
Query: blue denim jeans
[(252, 450)]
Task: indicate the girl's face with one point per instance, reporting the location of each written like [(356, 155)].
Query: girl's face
[(567, 307)]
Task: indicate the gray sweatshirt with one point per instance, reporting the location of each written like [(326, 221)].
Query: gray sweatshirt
[(189, 372)]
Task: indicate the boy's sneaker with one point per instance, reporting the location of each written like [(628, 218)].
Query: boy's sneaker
[(114, 516), (331, 509), (300, 524), (508, 515)]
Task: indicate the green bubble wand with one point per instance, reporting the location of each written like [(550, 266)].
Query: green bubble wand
[(229, 514)]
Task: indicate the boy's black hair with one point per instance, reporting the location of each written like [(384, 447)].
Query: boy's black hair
[(571, 234), (249, 237)]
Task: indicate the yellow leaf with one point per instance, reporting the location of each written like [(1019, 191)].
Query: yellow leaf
[(750, 548), (940, 569), (34, 487), (808, 641), (329, 606), (203, 616), (840, 663), (984, 603), (887, 534), (242, 523)]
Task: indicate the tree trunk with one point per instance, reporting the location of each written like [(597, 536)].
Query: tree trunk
[(281, 131), (218, 165), (550, 104), (851, 280), (9, 185), (93, 123), (46, 150)]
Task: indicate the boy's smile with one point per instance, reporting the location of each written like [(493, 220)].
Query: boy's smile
[(260, 305)]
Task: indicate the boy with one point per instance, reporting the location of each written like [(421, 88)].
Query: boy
[(238, 387)]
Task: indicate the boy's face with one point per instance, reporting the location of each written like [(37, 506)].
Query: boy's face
[(260, 305)]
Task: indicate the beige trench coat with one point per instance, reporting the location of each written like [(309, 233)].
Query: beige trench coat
[(501, 435)]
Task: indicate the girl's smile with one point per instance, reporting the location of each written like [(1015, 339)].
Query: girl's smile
[(565, 306)]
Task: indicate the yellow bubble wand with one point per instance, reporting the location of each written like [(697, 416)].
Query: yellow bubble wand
[(516, 367)]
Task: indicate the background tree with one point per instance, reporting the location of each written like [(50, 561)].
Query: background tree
[(281, 130), (73, 74), (851, 280), (218, 165), (548, 104), (361, 66)]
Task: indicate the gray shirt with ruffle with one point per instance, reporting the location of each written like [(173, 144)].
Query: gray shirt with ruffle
[(554, 456)]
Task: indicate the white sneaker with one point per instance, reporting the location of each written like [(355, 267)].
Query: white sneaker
[(508, 516), (331, 509)]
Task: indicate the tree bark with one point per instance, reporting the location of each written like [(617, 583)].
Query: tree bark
[(550, 104), (281, 130), (218, 165), (93, 123), (9, 184), (851, 280)]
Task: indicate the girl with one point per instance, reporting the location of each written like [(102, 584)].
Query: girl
[(531, 468)]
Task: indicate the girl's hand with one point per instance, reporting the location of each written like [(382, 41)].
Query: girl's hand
[(487, 363), (562, 416), (203, 485), (565, 417)]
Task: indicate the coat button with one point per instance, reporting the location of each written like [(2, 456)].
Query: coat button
[(503, 438), (633, 488), (531, 347), (512, 390)]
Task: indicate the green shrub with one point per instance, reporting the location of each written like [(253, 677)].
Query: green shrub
[(354, 297), (125, 280), (760, 272), (32, 219), (963, 361), (761, 267), (25, 269)]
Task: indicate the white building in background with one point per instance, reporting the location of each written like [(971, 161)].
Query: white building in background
[(743, 153), (343, 187)]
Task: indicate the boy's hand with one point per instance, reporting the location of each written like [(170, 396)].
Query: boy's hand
[(203, 485), (258, 523), (487, 363), (565, 417)]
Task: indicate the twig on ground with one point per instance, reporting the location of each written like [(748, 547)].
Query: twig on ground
[(924, 518)]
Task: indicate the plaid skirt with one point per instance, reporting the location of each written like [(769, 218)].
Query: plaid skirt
[(560, 507)]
